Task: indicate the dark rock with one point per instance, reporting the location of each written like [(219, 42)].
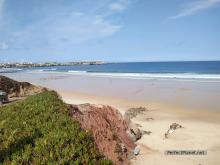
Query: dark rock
[(133, 112), (172, 128), (145, 132), (134, 132)]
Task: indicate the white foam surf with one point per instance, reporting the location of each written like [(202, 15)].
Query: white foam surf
[(9, 70), (43, 70), (76, 71), (149, 75), (174, 76)]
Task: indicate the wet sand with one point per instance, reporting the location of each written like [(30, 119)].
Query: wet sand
[(193, 104)]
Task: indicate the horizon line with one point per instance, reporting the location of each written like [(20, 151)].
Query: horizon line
[(110, 61)]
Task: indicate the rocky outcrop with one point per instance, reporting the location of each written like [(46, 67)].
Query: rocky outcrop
[(18, 89), (109, 130), (172, 128), (134, 132), (133, 112)]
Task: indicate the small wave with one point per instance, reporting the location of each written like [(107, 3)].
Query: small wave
[(150, 75), (42, 70), (76, 71), (9, 70)]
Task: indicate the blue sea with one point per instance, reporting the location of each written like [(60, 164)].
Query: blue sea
[(187, 70)]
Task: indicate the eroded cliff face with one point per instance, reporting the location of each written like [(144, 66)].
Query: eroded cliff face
[(109, 130), (18, 89)]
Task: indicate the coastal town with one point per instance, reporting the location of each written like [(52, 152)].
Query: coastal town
[(46, 64)]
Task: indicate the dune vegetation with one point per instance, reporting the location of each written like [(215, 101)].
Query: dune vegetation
[(39, 130)]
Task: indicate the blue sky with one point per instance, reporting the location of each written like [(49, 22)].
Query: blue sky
[(109, 30)]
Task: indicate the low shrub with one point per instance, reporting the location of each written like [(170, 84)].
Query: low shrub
[(39, 130)]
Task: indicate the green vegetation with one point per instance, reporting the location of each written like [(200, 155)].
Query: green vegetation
[(39, 130)]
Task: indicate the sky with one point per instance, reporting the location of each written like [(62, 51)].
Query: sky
[(109, 30)]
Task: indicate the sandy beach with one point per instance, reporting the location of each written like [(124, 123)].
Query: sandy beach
[(193, 104), (137, 80)]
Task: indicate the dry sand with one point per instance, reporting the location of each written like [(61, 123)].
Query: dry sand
[(194, 105), (200, 131)]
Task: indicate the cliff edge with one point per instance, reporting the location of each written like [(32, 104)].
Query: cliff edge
[(18, 89), (109, 129)]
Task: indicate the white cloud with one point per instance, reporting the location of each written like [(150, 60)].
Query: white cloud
[(104, 27), (3, 46), (65, 26), (117, 6), (70, 28), (120, 5), (195, 7)]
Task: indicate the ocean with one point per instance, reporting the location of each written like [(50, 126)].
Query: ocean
[(186, 70)]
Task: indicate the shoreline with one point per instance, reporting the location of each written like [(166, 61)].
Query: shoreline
[(198, 77), (203, 77), (194, 95), (168, 106)]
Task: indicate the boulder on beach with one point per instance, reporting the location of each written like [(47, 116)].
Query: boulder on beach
[(134, 132), (172, 128)]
